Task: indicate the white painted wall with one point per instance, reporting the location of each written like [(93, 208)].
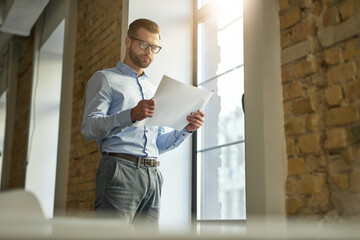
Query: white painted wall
[(264, 124), (174, 60), (66, 9)]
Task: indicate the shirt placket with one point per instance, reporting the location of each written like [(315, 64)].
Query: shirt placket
[(146, 131)]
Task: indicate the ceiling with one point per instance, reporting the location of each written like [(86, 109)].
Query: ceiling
[(17, 17)]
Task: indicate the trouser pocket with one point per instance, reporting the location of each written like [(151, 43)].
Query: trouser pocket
[(105, 174)]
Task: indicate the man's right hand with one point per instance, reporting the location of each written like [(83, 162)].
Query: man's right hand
[(144, 109)]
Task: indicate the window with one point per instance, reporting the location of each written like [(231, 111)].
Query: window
[(2, 128), (221, 141), (44, 127)]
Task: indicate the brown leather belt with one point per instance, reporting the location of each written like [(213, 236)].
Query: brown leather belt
[(146, 161)]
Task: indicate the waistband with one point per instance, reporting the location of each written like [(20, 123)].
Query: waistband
[(151, 162)]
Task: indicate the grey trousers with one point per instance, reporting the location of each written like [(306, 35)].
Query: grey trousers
[(128, 191)]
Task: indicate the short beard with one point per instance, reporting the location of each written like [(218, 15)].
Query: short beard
[(136, 59)]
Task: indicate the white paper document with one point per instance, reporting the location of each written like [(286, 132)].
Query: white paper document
[(174, 101)]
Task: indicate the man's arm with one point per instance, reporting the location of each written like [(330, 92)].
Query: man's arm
[(96, 123), (170, 140)]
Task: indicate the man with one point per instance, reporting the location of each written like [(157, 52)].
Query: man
[(128, 182)]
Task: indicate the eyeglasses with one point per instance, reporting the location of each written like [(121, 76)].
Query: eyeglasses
[(145, 45)]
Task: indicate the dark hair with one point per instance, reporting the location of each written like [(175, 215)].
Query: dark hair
[(143, 23)]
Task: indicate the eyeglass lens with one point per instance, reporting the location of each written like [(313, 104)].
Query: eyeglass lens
[(144, 45)]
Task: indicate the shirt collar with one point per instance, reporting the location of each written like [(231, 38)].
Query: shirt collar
[(128, 71)]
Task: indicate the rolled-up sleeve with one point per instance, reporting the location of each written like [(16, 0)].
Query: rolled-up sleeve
[(97, 124)]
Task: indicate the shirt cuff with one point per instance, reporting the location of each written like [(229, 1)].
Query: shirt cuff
[(124, 118), (185, 133)]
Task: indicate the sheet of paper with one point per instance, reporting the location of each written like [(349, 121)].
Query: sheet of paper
[(174, 102)]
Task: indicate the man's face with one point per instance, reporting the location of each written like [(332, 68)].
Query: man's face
[(142, 58)]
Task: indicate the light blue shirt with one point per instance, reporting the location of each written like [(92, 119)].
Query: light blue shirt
[(110, 96)]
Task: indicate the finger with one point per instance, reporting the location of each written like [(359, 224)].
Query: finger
[(194, 126), (147, 106), (198, 116), (195, 121), (150, 111), (150, 108), (151, 102), (201, 113)]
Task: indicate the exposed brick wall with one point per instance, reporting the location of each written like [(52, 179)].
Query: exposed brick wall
[(97, 47), (320, 42), (16, 178)]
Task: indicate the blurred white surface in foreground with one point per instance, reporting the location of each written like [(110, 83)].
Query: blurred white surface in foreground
[(22, 218)]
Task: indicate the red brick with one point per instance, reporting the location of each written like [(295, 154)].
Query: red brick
[(309, 143), (341, 115), (283, 4), (290, 18), (346, 9), (307, 185), (341, 73), (290, 146), (293, 205), (296, 166), (17, 167), (302, 106), (333, 55), (285, 75), (301, 31), (285, 39), (97, 47), (334, 95), (314, 122), (294, 126), (352, 90), (331, 17), (293, 90), (355, 180), (341, 180), (305, 67), (335, 138)]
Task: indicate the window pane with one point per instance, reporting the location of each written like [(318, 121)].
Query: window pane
[(202, 3), (231, 40), (224, 120), (209, 55), (229, 10), (220, 47), (222, 183), (2, 128), (221, 140)]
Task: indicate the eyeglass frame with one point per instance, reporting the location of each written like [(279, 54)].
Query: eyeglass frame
[(149, 45)]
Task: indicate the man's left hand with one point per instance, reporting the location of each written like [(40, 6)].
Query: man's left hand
[(195, 120)]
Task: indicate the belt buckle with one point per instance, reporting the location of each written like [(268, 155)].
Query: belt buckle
[(149, 162)]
